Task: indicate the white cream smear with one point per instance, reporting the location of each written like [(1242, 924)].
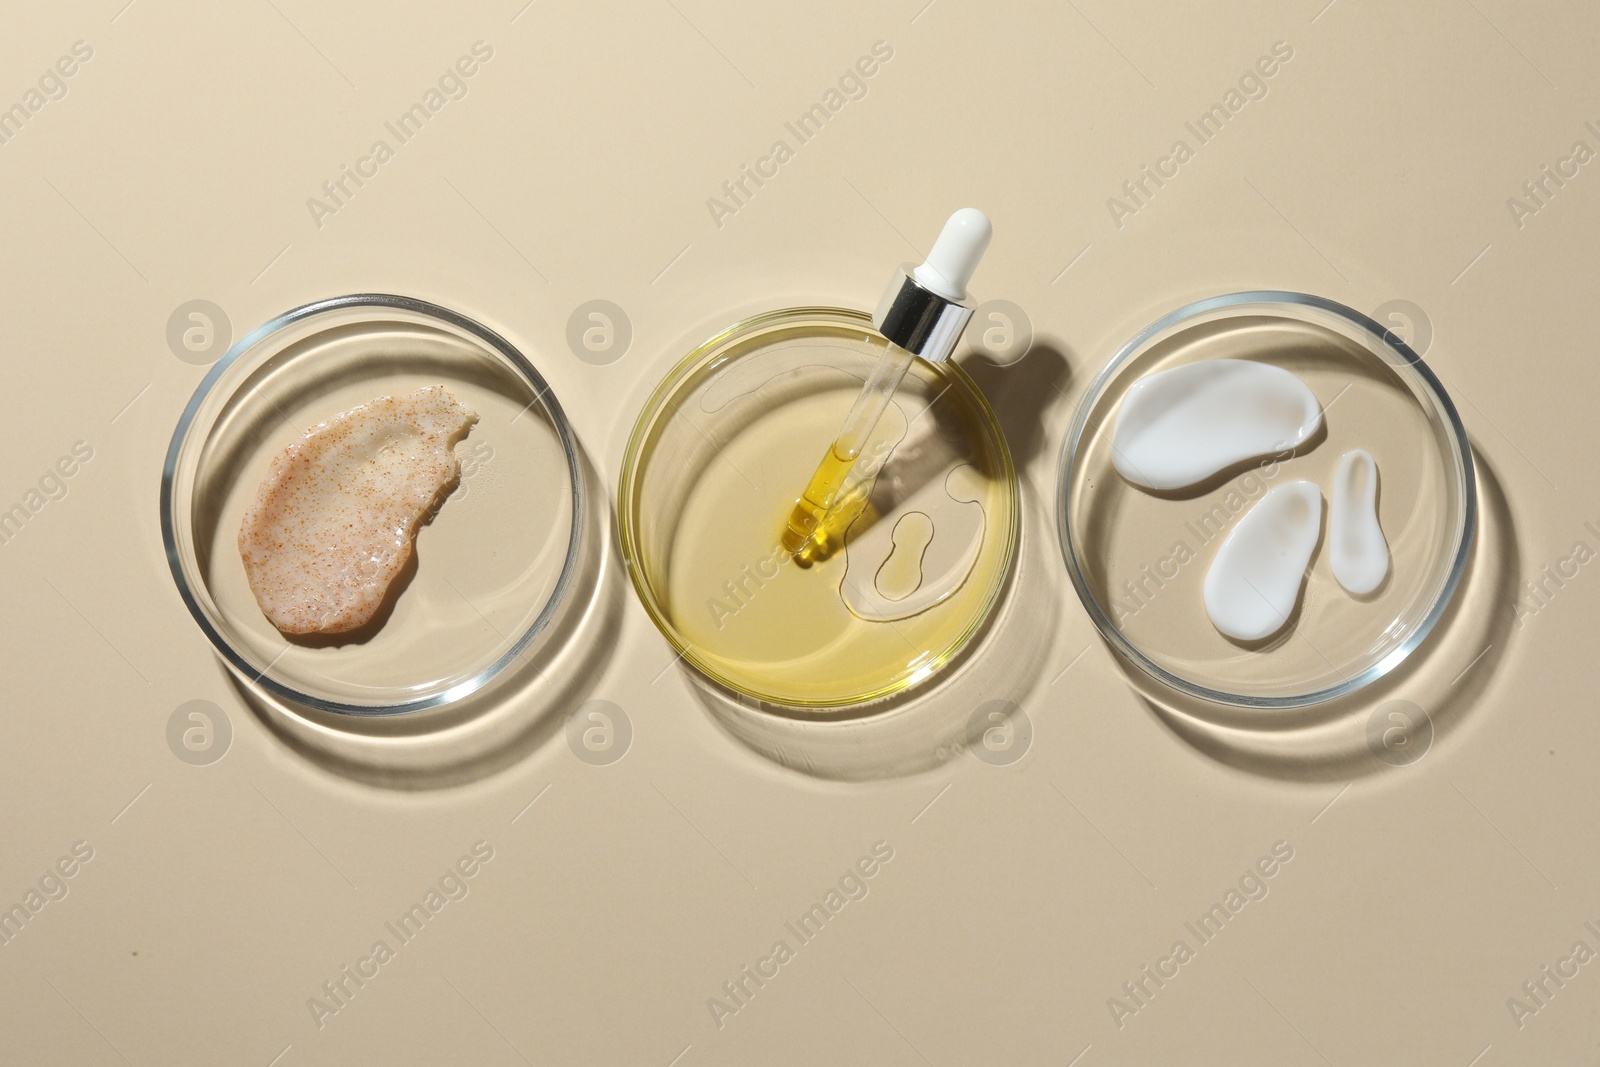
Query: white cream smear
[(1356, 549), (1178, 427), (1255, 580)]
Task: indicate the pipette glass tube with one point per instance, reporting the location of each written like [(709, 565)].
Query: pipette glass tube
[(922, 314), (837, 492)]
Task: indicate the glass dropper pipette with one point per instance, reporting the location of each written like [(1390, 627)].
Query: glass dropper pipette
[(921, 315)]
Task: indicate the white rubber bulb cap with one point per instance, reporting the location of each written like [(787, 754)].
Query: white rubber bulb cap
[(955, 254)]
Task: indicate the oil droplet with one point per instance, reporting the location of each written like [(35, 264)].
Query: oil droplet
[(901, 573), (953, 510)]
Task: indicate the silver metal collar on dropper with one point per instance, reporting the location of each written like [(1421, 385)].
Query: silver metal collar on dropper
[(926, 307), (922, 315)]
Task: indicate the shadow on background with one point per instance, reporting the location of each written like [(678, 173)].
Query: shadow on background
[(1446, 676), (487, 732), (1021, 392)]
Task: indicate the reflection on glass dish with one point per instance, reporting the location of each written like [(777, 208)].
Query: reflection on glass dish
[(713, 468), (332, 524), (1139, 555), (488, 572)]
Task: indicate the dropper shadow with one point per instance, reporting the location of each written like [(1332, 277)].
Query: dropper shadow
[(1021, 392), (1018, 394)]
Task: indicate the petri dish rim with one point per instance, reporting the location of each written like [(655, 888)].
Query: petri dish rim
[(1265, 301), (264, 677), (627, 527)]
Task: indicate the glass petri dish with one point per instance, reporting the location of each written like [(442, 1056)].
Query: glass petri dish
[(715, 462), (1138, 559), (489, 570)]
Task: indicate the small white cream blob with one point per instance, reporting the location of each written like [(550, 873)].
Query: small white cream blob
[(1255, 580), (1178, 427), (1356, 549)]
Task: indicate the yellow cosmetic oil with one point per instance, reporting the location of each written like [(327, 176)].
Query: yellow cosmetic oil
[(913, 535), (824, 512), (922, 313), (836, 495)]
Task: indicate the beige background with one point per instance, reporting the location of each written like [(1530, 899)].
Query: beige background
[(1019, 898)]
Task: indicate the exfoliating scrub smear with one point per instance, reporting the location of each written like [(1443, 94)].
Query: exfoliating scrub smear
[(1179, 569), (711, 476), (493, 558)]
